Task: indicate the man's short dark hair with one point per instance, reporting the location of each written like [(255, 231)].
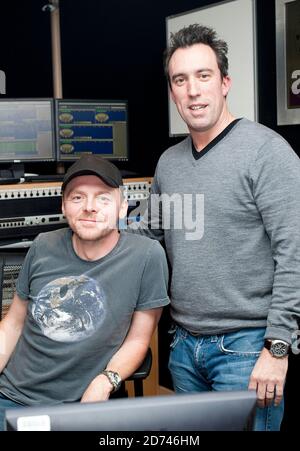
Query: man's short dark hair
[(197, 34)]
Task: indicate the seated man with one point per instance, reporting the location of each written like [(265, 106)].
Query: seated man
[(87, 301)]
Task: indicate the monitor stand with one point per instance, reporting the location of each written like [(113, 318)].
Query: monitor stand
[(60, 168)]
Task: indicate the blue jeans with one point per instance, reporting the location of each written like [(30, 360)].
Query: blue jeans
[(220, 362), (5, 403)]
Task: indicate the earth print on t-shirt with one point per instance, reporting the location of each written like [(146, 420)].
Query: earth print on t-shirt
[(69, 309)]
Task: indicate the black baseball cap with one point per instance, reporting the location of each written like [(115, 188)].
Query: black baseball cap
[(94, 165)]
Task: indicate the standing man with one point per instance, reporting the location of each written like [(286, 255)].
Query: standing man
[(235, 287), (87, 301)]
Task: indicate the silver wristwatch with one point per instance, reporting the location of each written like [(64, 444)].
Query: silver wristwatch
[(277, 348), (114, 378)]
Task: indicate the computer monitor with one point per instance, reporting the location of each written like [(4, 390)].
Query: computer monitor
[(91, 127), (212, 411), (26, 130)]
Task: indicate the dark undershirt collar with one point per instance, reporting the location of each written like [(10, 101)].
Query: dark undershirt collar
[(217, 139)]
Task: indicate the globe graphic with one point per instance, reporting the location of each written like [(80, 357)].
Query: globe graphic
[(69, 309)]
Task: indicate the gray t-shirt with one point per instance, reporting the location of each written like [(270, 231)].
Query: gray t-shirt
[(79, 313)]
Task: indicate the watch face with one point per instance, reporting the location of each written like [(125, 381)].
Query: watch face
[(114, 379), (279, 349)]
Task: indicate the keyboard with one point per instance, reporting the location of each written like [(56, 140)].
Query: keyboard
[(45, 178), (10, 181)]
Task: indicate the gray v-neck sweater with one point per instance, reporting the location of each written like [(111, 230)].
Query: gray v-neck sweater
[(240, 267)]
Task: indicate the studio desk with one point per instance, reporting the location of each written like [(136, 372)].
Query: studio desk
[(27, 209)]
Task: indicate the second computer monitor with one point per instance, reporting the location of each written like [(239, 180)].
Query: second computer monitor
[(91, 127)]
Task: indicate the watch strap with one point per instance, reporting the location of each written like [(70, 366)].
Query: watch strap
[(114, 378)]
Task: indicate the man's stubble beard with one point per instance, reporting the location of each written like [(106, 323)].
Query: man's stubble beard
[(94, 234)]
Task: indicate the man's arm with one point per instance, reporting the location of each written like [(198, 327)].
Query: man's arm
[(276, 189), (276, 184), (11, 328), (130, 355)]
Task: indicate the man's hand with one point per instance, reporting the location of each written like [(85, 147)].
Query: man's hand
[(98, 390), (267, 378)]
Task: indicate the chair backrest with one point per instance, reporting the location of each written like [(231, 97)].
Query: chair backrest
[(141, 373)]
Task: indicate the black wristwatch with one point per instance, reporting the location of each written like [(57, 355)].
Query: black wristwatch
[(114, 378), (277, 348)]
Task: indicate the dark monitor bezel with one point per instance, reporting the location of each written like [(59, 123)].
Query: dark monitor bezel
[(57, 102), (209, 411), (53, 130)]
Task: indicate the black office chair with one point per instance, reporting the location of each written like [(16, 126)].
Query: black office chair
[(10, 265)]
